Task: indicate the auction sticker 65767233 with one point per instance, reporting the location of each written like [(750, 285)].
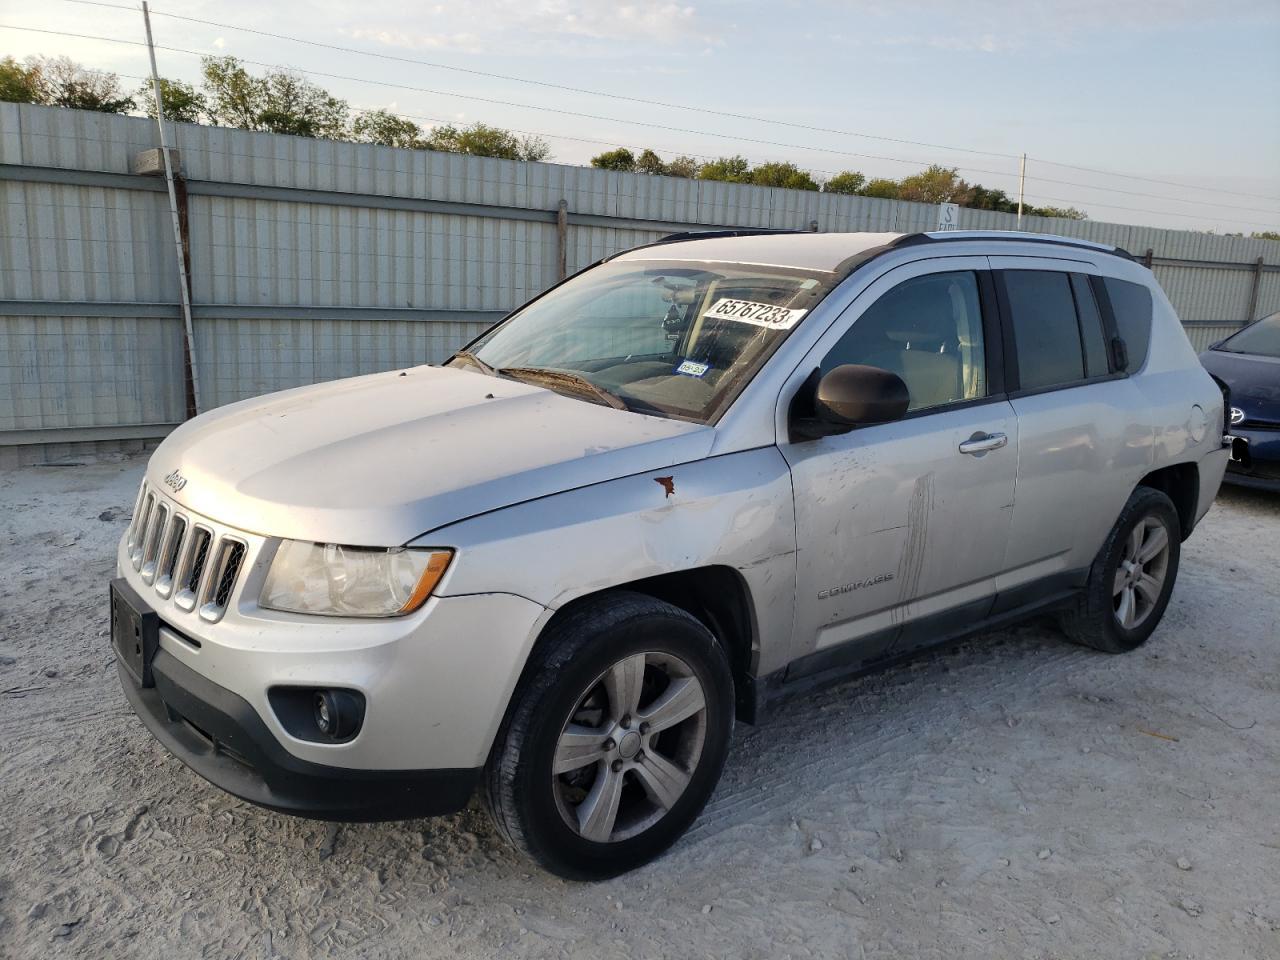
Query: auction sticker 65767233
[(758, 314)]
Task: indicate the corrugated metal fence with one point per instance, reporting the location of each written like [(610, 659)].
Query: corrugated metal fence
[(312, 260)]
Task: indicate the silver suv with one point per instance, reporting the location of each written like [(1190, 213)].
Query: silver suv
[(694, 479)]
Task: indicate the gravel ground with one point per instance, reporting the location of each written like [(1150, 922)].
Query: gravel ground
[(1013, 796)]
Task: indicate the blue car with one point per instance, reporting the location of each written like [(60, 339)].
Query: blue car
[(1248, 362)]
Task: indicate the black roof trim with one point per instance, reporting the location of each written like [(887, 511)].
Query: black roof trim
[(705, 235), (915, 239)]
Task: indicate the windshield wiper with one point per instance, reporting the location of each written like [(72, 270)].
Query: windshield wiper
[(581, 382), (471, 358)]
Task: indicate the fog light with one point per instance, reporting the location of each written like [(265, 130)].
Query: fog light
[(338, 713), (325, 711), (319, 714)]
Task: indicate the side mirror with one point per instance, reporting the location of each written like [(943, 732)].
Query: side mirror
[(851, 395)]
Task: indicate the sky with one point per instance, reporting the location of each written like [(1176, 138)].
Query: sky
[(1184, 92)]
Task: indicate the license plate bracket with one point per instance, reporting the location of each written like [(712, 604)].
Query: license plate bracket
[(135, 632), (1240, 450)]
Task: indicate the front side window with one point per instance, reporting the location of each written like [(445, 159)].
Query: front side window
[(1045, 332), (927, 330), (675, 338)]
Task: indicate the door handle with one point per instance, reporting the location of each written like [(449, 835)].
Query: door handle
[(981, 443)]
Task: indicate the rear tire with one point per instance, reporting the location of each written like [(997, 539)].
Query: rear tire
[(1131, 579), (615, 739)]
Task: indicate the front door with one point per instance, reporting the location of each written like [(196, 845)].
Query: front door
[(898, 523)]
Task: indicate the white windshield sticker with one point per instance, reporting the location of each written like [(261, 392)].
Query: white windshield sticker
[(758, 314), (693, 368)]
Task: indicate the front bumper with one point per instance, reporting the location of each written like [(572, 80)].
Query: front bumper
[(220, 736)]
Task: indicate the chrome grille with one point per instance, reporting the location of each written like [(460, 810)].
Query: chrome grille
[(193, 566), (169, 552), (156, 529), (221, 579), (183, 557)]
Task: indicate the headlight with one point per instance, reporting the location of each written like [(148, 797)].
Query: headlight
[(336, 581)]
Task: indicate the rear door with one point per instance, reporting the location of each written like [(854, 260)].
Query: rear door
[(1084, 437)]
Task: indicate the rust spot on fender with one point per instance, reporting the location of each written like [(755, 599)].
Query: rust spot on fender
[(668, 484)]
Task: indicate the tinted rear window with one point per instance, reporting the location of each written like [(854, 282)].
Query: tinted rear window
[(1045, 333), (1131, 303)]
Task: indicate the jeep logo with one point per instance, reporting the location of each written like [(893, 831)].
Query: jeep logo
[(175, 481)]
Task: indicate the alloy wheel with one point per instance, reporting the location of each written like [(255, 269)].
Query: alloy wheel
[(1141, 572), (629, 747)]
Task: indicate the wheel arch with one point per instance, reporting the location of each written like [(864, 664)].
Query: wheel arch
[(1180, 482), (718, 596)]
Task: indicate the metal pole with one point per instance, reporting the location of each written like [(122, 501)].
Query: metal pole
[(562, 240), (1253, 291), (1022, 185), (173, 212)]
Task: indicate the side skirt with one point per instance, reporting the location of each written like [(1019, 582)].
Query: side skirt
[(826, 668)]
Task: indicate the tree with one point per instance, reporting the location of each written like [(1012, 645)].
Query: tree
[(882, 188), (620, 159), (984, 198), (1265, 235), (61, 82), (1062, 213), (847, 182), (482, 140), (650, 163), (786, 175), (235, 97), (730, 169), (936, 184), (381, 126), (682, 166), (19, 83), (296, 106), (277, 102), (183, 103)]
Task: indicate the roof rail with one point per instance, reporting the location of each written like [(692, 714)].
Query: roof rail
[(1020, 235), (721, 234), (712, 234)]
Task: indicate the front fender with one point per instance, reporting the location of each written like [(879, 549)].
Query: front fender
[(734, 510)]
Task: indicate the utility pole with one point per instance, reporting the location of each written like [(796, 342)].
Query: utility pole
[(1022, 182), (189, 332)]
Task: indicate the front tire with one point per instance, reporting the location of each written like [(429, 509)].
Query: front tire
[(1131, 579), (615, 739)]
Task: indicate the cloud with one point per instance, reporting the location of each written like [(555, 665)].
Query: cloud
[(463, 42), (591, 27), (993, 26), (979, 43)]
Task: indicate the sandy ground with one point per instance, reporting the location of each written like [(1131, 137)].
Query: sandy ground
[(1011, 797)]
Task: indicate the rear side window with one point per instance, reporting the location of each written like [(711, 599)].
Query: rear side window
[(1045, 333), (1131, 304)]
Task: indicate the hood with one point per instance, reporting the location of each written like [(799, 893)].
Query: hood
[(1254, 382), (381, 459)]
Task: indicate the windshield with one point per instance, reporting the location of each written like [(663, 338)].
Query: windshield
[(1261, 338), (677, 339)]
